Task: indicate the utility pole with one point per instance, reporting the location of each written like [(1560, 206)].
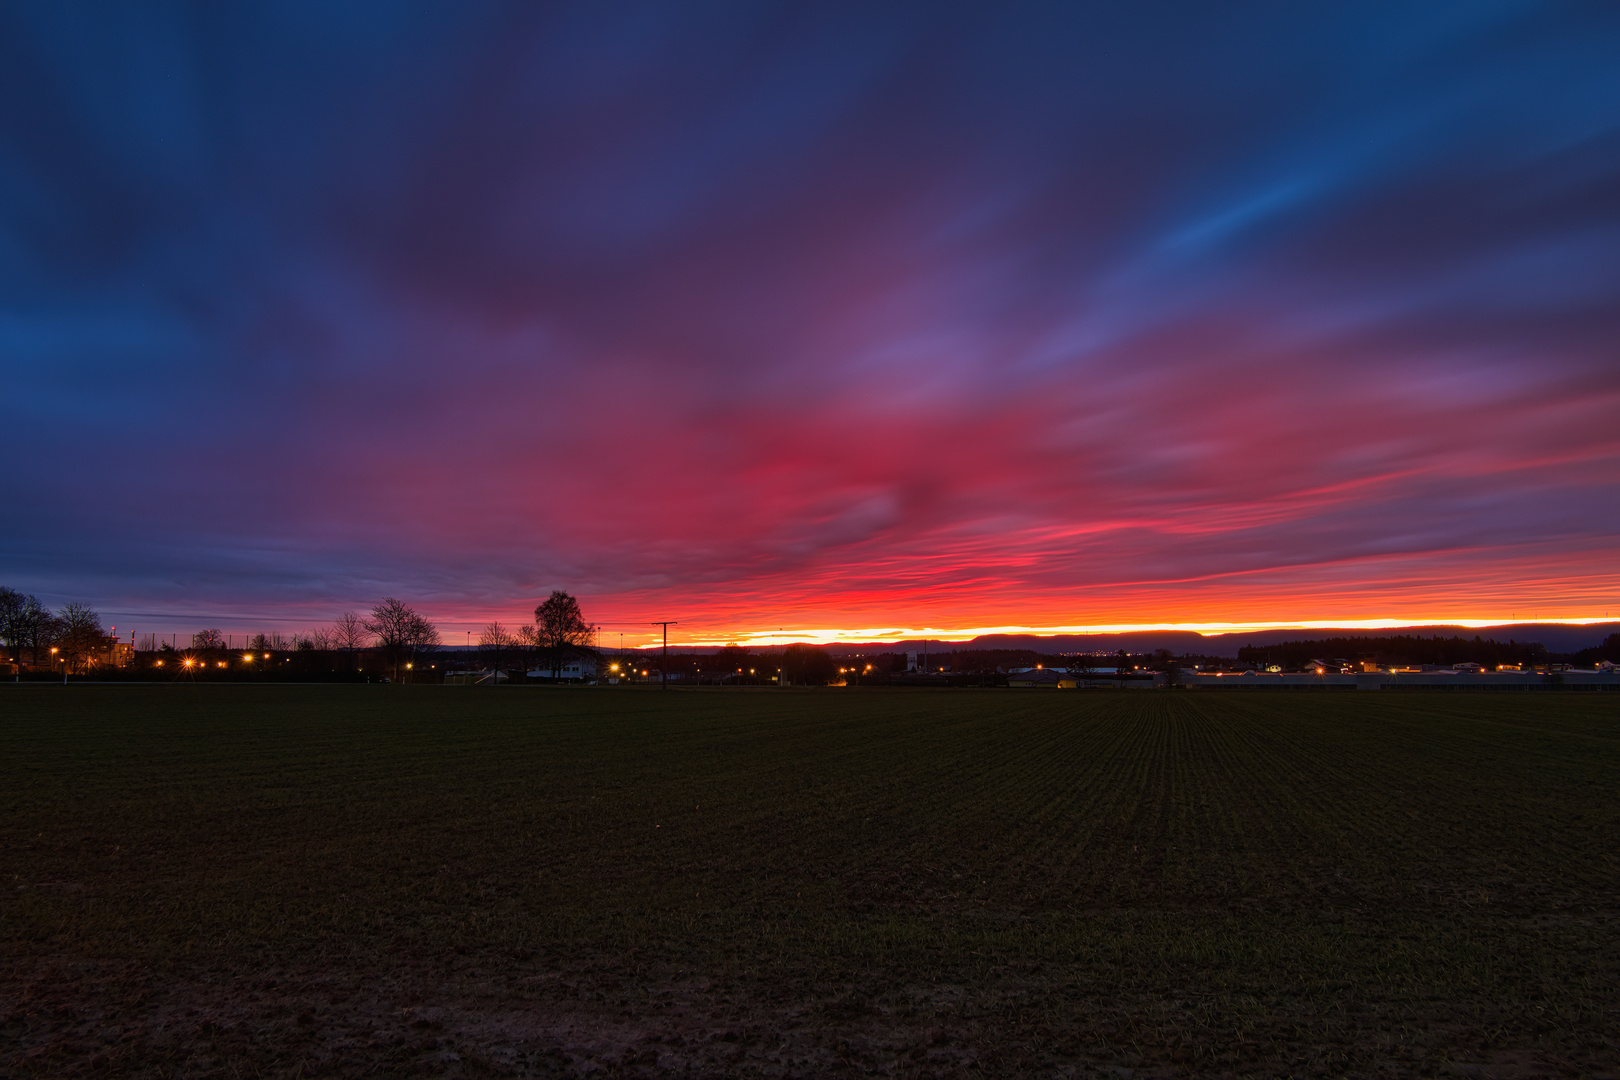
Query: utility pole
[(663, 670)]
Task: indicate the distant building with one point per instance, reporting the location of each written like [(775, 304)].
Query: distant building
[(1044, 677), (475, 678), (577, 669)]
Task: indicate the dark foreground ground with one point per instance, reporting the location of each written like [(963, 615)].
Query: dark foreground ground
[(245, 881)]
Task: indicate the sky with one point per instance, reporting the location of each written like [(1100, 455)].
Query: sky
[(812, 320)]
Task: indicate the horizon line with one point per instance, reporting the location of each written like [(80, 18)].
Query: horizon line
[(881, 635), (892, 635)]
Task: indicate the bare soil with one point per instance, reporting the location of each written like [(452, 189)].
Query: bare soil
[(354, 881)]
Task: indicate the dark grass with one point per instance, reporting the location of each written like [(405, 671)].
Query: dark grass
[(283, 880)]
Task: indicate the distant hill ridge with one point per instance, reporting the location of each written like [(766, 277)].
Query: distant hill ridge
[(1557, 637)]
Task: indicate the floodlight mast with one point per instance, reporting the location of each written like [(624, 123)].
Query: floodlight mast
[(663, 670)]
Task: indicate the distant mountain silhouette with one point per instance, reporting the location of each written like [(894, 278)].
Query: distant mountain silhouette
[(1557, 637)]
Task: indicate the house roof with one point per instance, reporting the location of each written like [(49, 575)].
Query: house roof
[(1041, 675)]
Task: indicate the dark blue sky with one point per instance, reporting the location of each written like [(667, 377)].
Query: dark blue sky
[(813, 316)]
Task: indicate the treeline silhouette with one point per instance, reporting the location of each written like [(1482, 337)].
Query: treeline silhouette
[(1412, 649)]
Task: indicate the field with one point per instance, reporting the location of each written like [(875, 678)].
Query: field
[(361, 880)]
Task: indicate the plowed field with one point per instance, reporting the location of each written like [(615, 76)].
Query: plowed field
[(360, 880)]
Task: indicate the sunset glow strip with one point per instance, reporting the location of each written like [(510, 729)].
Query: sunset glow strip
[(878, 635)]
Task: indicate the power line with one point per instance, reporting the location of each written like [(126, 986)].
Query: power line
[(663, 670)]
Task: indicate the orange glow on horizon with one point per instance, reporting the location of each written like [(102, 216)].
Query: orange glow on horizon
[(889, 634)]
